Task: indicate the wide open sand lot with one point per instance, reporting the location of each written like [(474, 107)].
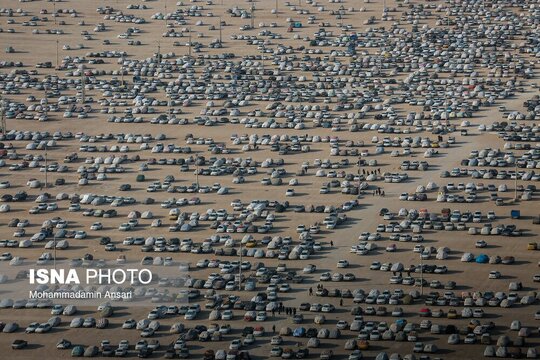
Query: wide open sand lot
[(31, 49)]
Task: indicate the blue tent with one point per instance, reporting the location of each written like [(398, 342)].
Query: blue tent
[(482, 259), (299, 332), (401, 322)]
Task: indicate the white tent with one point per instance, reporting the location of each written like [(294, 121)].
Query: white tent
[(147, 215)]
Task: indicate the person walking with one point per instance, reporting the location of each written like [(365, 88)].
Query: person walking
[(274, 328)]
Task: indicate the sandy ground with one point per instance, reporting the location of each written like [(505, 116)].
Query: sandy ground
[(31, 49)]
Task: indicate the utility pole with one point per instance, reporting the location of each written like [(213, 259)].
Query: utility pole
[(54, 239), (197, 176), (277, 8), (515, 182), (54, 12), (57, 57), (2, 116), (83, 80), (421, 276), (220, 39), (165, 15), (46, 168), (240, 269), (122, 71), (46, 107), (252, 15), (189, 37)]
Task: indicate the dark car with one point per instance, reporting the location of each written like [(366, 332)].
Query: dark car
[(144, 353), (302, 353), (170, 354), (247, 330), (104, 240), (107, 351), (19, 344)]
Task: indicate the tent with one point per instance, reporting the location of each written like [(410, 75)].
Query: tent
[(356, 325), (214, 315), (177, 328), (397, 267), (323, 333), (25, 243), (431, 186), (134, 215), (313, 342), (502, 352), (350, 344), (453, 339), (503, 340), (482, 259), (334, 334), (388, 335), (285, 331), (431, 348), (489, 351), (147, 215), (107, 311)]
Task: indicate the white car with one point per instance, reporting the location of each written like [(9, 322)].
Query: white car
[(261, 316), (276, 340), (325, 276), (480, 244), (6, 256), (236, 344), (203, 263), (96, 226), (308, 269), (342, 264), (190, 315), (227, 315), (80, 234), (52, 206)]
